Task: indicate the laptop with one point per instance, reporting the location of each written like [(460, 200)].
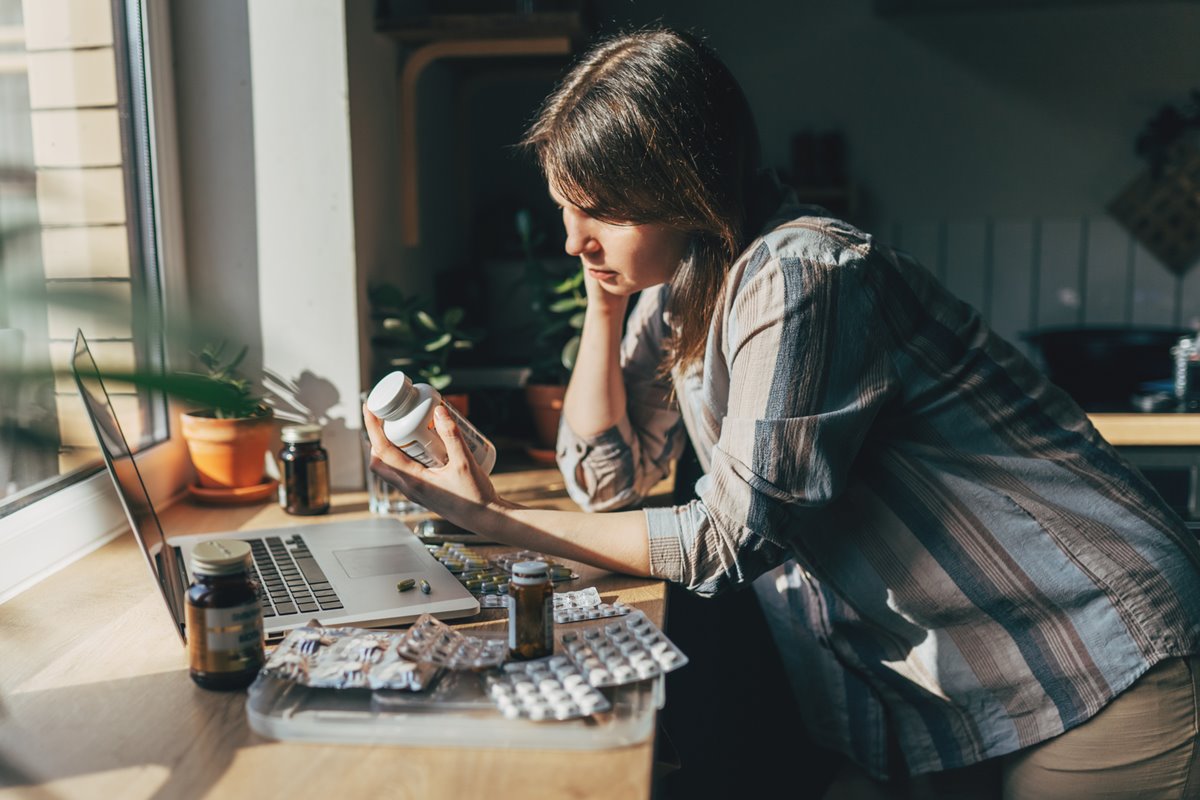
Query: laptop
[(340, 573)]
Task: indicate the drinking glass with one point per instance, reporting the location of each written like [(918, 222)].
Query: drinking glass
[(382, 497)]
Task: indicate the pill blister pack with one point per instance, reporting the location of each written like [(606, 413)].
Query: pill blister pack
[(621, 651), (434, 642), (584, 604), (485, 577), (559, 573), (577, 606), (348, 658), (472, 568), (546, 689)]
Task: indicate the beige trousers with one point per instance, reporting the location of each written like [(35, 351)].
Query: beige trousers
[(1141, 745)]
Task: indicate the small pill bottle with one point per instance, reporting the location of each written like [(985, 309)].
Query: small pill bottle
[(530, 611), (304, 465), (224, 619), (406, 409)]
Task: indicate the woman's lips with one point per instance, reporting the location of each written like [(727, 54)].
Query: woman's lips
[(605, 275)]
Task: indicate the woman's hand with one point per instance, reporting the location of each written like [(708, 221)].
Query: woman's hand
[(460, 491), (602, 301)]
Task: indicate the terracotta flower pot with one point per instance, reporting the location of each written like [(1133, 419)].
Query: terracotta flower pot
[(545, 404), (227, 453)]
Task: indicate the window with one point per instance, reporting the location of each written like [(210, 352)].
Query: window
[(80, 246), (78, 199)]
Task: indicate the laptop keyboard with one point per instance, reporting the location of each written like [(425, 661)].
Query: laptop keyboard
[(291, 581)]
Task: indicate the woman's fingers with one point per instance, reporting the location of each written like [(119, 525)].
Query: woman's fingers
[(456, 447), (383, 450)]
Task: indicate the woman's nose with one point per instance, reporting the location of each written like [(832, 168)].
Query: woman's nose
[(579, 235)]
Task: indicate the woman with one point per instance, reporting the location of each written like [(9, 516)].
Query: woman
[(965, 575)]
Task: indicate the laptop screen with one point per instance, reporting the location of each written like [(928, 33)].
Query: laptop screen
[(131, 490)]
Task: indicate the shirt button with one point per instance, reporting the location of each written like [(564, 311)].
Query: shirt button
[(580, 448)]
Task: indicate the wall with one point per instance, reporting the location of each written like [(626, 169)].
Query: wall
[(987, 143), (264, 113)]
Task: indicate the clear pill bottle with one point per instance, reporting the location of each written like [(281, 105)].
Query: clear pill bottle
[(304, 465), (406, 409), (530, 611), (224, 619)]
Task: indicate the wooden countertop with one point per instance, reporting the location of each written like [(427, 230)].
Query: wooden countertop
[(95, 698), (1149, 430)]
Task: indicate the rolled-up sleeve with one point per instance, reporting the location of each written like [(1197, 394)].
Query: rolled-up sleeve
[(617, 467)]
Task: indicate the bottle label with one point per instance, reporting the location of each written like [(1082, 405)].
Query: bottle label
[(413, 450), (526, 626), (225, 639), (317, 484), (475, 441)]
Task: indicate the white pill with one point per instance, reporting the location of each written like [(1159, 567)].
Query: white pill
[(647, 669), (622, 673), (599, 677)]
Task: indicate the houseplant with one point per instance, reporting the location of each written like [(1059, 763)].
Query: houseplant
[(228, 438), (557, 302), (411, 336)]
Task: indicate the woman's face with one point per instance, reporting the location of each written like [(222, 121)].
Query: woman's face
[(623, 259)]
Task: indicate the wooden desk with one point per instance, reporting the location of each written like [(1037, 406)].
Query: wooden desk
[(1148, 430), (95, 699)]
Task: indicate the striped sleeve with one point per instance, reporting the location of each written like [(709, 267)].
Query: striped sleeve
[(619, 466), (808, 372)]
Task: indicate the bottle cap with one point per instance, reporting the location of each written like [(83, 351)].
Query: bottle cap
[(292, 434), (530, 572), (221, 557), (391, 396)]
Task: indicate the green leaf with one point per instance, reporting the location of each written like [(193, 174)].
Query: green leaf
[(427, 322), (401, 361), (570, 352), (440, 382), (452, 317), (566, 304), (438, 343), (577, 320), (463, 344)]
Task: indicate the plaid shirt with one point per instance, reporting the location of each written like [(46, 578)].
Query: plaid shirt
[(950, 554)]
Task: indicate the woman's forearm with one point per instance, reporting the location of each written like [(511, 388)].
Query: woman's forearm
[(595, 398), (616, 542)]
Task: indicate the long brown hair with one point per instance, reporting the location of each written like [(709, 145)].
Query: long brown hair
[(651, 127)]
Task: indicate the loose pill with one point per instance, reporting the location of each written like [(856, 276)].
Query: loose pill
[(406, 584), (425, 587)]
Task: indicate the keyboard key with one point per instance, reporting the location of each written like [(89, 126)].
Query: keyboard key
[(311, 571), (332, 604), (308, 607), (285, 608)]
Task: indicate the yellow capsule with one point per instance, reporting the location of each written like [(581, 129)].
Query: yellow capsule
[(406, 584)]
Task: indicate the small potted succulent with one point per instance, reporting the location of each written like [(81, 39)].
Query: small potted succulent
[(228, 438)]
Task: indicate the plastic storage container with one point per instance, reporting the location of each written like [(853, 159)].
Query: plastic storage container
[(455, 713)]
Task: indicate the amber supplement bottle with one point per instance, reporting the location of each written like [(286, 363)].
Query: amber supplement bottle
[(305, 467), (530, 611), (224, 618)]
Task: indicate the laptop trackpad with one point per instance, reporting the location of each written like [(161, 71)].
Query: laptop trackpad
[(366, 562)]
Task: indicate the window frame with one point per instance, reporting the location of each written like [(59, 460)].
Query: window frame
[(42, 536)]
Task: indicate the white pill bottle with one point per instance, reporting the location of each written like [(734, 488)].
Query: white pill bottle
[(406, 409)]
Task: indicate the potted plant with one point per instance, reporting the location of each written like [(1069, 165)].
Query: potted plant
[(557, 302), (413, 338), (229, 437)]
